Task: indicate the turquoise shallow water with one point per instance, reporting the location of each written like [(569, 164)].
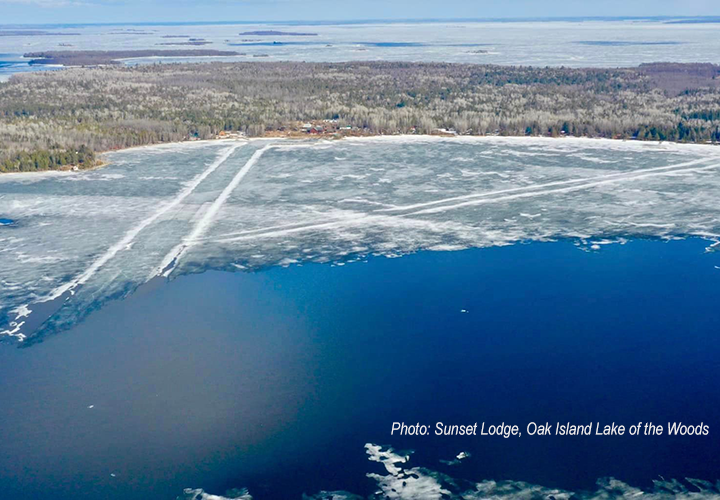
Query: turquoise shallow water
[(275, 380)]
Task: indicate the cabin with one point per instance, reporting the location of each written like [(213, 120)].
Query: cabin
[(310, 128)]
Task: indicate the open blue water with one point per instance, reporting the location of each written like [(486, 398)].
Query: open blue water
[(275, 380)]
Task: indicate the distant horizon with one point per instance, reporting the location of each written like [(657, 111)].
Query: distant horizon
[(49, 12), (682, 19)]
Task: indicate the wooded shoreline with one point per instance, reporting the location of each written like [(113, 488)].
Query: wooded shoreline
[(50, 120)]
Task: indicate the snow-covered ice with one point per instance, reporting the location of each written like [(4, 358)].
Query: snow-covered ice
[(244, 205)]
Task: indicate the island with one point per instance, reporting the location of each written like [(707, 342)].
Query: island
[(35, 33), (189, 42), (276, 33)]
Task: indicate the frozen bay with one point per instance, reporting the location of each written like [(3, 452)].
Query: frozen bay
[(570, 43), (78, 239)]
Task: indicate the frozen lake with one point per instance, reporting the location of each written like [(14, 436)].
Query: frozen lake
[(578, 43), (74, 240), (285, 301)]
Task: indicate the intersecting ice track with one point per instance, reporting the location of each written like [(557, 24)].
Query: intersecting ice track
[(202, 225), (665, 171), (446, 204), (127, 241), (82, 239), (133, 233), (543, 186)]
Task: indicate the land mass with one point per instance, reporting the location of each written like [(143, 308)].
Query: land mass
[(275, 33), (189, 42), (34, 33), (98, 57), (51, 119)]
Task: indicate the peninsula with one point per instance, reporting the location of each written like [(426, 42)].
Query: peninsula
[(98, 57)]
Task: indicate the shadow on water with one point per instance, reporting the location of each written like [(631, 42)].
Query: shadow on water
[(35, 327)]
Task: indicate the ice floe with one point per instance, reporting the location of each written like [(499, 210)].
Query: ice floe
[(401, 481)]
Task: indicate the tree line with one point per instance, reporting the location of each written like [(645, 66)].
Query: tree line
[(52, 119)]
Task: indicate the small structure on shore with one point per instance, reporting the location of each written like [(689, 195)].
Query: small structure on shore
[(313, 128)]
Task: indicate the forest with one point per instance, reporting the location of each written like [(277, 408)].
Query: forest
[(52, 119)]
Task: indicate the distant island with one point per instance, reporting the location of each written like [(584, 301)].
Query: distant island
[(189, 42), (623, 43), (34, 33), (51, 120), (131, 31), (104, 57), (276, 33)]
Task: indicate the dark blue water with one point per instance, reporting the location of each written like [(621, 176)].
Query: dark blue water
[(275, 380), (14, 63), (6, 65)]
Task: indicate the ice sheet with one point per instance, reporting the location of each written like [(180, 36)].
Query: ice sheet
[(83, 238), (560, 43)]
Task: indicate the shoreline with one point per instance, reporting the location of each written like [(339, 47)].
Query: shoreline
[(103, 161), (599, 141)]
